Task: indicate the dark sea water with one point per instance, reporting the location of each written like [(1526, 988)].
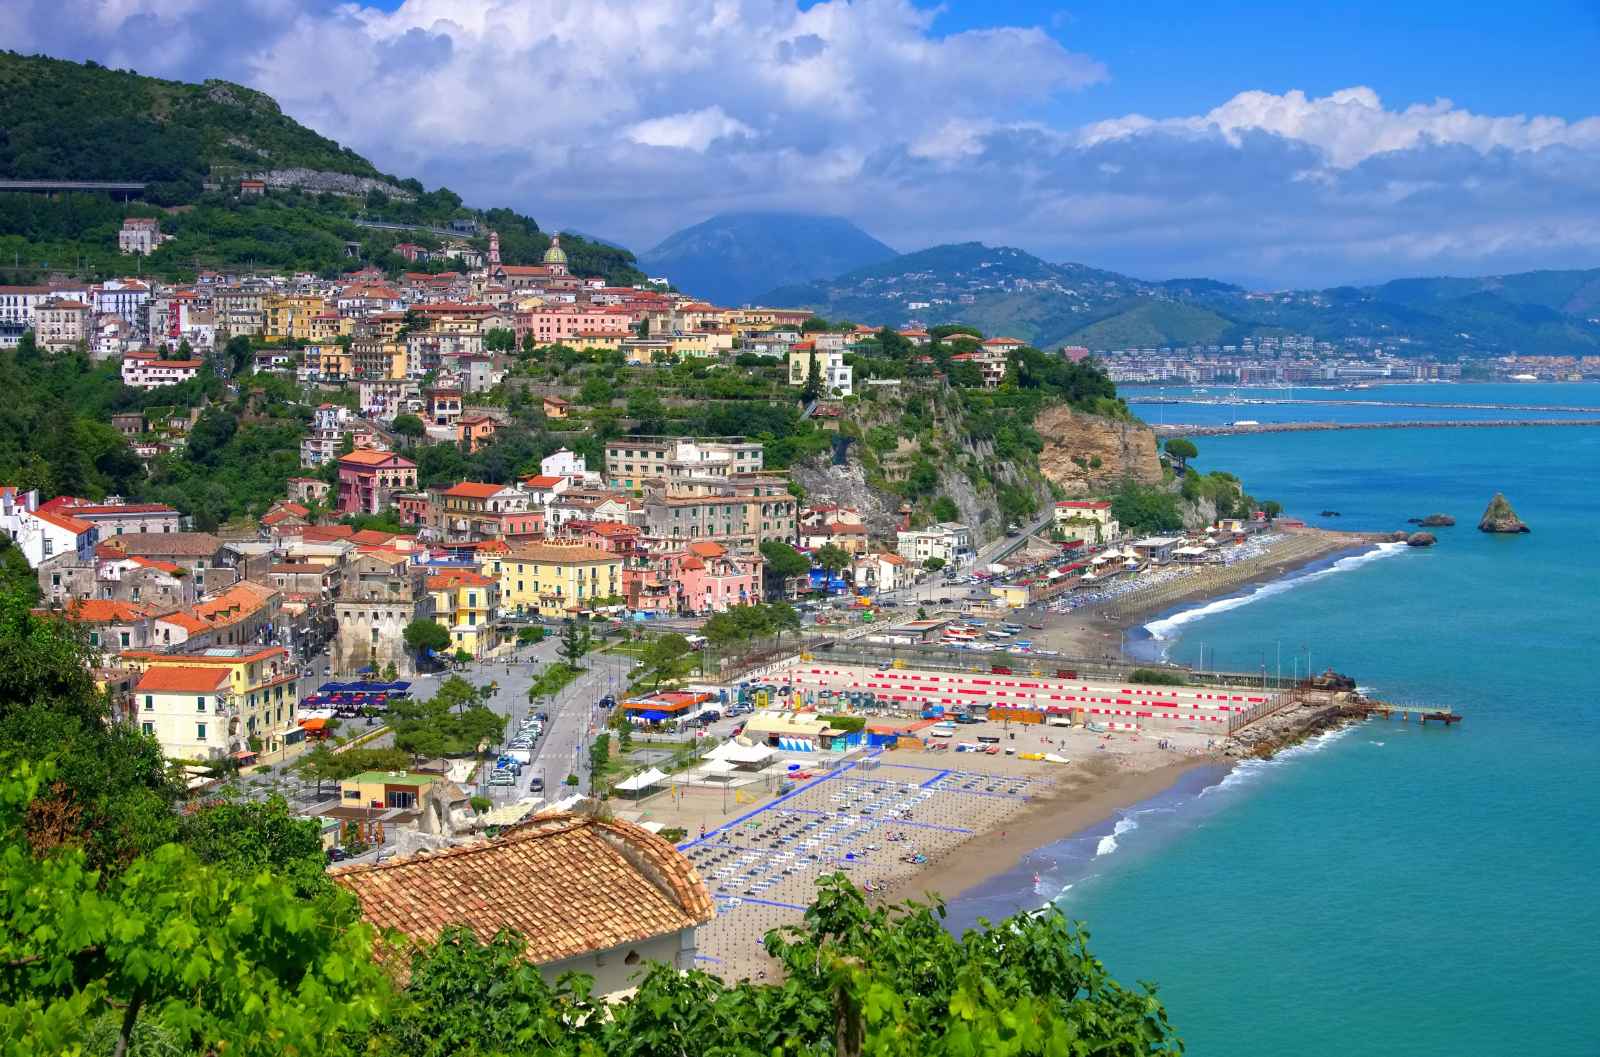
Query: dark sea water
[(1386, 889)]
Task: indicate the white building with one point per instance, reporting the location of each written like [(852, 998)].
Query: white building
[(43, 534), (565, 463), (18, 302), (121, 297), (949, 541), (153, 374), (139, 235), (836, 377), (1087, 519)]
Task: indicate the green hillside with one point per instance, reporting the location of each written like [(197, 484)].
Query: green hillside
[(71, 121), (1154, 323)]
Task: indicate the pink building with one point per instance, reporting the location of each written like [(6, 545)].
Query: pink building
[(710, 580), (369, 481), (563, 324)]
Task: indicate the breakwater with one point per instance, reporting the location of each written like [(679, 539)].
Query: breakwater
[(1256, 401), (1229, 429)]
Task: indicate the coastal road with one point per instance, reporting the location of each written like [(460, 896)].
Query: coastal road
[(574, 712)]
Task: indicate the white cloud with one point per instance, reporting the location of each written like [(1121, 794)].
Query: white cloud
[(632, 118), (1351, 125), (691, 130)]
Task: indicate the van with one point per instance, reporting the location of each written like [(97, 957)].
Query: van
[(938, 733)]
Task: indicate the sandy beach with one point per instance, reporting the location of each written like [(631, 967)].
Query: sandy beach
[(916, 824), (1097, 631)]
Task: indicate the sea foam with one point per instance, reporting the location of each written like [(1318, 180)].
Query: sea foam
[(1166, 628), (1108, 843)]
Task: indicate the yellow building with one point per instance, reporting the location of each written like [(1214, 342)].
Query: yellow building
[(554, 579), (384, 789), (289, 316), (328, 325), (331, 363), (468, 605), (224, 700)]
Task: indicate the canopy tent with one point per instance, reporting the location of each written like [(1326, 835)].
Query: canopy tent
[(640, 782), (736, 754), (717, 769)]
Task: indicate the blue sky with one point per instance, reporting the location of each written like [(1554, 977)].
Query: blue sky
[(1165, 56), (1270, 144)]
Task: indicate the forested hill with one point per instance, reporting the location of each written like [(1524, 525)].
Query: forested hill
[(68, 121), (63, 120), (1002, 290)]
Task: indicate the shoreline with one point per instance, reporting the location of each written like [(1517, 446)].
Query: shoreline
[(1065, 815), (1100, 631), (1050, 820)]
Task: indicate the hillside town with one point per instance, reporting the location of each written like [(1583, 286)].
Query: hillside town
[(286, 640)]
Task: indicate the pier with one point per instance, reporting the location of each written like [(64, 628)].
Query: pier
[(1424, 713), (1232, 429)]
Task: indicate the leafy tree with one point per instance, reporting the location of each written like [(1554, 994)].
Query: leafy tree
[(1142, 509), (409, 426), (933, 564), (647, 410), (462, 656), (575, 642), (131, 955), (423, 635), (599, 755), (527, 636), (249, 836), (813, 386), (1182, 449), (944, 509), (832, 557), (111, 792), (666, 659), (500, 339), (783, 562), (453, 722)]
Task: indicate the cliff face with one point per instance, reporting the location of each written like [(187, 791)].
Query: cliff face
[(1088, 454)]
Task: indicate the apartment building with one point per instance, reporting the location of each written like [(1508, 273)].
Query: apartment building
[(557, 578), (634, 463)]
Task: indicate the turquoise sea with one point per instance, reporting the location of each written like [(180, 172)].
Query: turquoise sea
[(1386, 889)]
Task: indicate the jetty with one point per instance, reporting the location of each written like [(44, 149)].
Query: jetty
[(1195, 429), (1424, 713)]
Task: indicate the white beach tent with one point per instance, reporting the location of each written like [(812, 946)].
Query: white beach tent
[(742, 755), (636, 785)]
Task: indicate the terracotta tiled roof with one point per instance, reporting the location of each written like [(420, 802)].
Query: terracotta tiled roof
[(186, 544), (707, 549), (187, 621), (183, 680), (327, 533), (75, 525), (557, 554), (374, 458), (374, 538), (569, 884), (170, 568), (105, 610), (459, 578), (542, 481), (473, 490)]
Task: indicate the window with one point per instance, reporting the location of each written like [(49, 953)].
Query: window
[(149, 703), (200, 732), (199, 704), (148, 728), (123, 637), (352, 794), (402, 798)]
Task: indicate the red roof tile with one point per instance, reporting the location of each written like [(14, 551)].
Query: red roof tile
[(175, 680), (568, 884)]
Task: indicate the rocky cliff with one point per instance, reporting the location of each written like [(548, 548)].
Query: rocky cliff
[(1089, 454)]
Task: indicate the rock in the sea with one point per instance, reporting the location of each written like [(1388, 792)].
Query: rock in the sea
[(1399, 536), (1499, 517), (1420, 539), (1437, 521), (1329, 513)]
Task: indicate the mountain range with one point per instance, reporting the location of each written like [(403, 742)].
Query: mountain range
[(732, 257), (1003, 290)]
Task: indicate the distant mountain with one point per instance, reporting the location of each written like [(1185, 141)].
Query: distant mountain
[(1007, 291), (63, 120), (733, 257)]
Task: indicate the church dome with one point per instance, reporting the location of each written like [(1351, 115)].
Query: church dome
[(555, 254)]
